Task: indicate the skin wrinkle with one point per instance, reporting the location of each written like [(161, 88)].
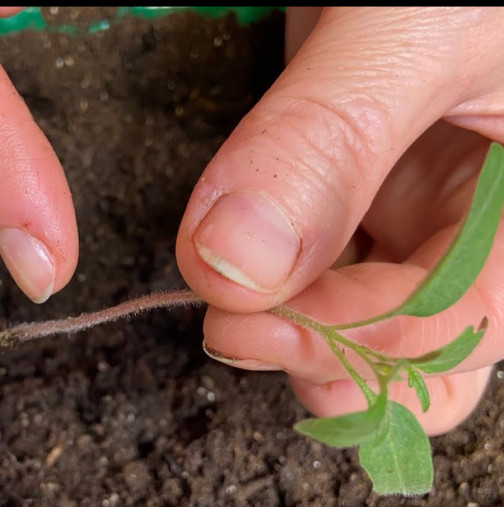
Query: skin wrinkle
[(313, 180), (299, 184), (405, 340), (379, 74), (368, 27), (422, 333), (480, 54), (447, 384), (354, 143), (373, 61), (367, 137), (417, 39), (324, 164)]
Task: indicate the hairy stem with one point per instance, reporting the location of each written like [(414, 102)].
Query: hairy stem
[(34, 330), (331, 336), (331, 332), (361, 350), (299, 318), (366, 390)]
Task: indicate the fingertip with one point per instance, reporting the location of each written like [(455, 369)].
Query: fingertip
[(262, 249), (453, 398), (218, 281), (38, 229), (29, 262), (6, 12)]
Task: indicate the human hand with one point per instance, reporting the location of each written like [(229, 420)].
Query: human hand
[(38, 231), (381, 121)]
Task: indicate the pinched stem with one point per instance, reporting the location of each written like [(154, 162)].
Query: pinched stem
[(35, 330), (299, 318), (335, 340), (331, 332), (369, 394), (365, 352)]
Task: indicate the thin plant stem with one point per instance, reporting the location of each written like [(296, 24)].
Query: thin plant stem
[(367, 391), (367, 322), (365, 357), (362, 350), (332, 331), (299, 318), (334, 339), (35, 330)]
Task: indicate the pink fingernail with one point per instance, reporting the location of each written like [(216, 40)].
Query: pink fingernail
[(29, 263), (248, 239)]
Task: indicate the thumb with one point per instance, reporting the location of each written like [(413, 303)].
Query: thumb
[(283, 196)]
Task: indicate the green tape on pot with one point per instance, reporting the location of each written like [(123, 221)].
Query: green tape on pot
[(31, 18), (245, 15)]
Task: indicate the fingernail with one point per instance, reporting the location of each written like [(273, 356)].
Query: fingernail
[(247, 239), (29, 263), (246, 364)]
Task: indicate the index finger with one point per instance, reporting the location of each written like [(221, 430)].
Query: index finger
[(38, 230)]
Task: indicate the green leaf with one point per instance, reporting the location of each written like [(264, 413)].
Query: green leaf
[(452, 354), (416, 381), (347, 430), (400, 463), (461, 265)]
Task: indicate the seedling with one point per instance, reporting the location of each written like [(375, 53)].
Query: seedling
[(393, 447)]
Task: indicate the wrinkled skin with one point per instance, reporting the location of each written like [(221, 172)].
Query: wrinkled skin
[(379, 124)]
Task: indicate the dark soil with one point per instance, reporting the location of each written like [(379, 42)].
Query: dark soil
[(134, 413)]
